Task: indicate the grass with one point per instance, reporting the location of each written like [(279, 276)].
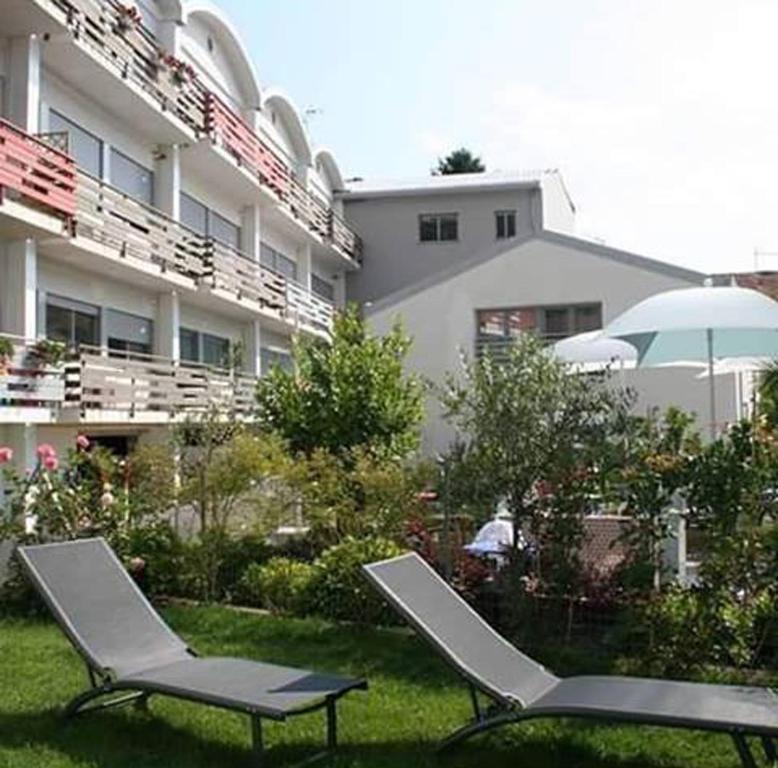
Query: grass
[(414, 700)]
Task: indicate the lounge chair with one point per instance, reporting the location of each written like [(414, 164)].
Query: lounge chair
[(127, 647), (521, 689)]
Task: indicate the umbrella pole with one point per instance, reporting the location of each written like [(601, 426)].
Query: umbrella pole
[(711, 384)]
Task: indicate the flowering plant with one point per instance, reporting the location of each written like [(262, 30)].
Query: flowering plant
[(181, 72), (129, 17)]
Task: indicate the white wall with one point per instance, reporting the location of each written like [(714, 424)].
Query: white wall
[(394, 257), (558, 213), (441, 318)]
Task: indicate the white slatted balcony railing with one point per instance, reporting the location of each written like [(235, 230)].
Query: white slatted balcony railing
[(27, 380), (232, 271), (104, 384), (306, 308)]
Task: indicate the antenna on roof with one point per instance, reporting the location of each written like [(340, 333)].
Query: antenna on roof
[(310, 112)]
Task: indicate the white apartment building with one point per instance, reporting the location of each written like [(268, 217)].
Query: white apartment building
[(163, 215), (469, 261)]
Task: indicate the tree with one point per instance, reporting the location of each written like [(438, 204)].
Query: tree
[(461, 160), (533, 430), (347, 393)]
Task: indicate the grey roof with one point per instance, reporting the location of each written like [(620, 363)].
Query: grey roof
[(557, 238)]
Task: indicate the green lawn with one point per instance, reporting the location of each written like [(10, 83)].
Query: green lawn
[(413, 701)]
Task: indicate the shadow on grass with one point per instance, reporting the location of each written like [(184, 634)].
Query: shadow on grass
[(134, 740)]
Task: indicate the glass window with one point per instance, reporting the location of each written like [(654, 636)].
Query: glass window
[(557, 322), (224, 231), (127, 332), (505, 222), (85, 148), (491, 322), (322, 288), (189, 345), (438, 227), (449, 227), (588, 318), (268, 358), (428, 229), (216, 351), (275, 260), (194, 214), (72, 322), (131, 177)]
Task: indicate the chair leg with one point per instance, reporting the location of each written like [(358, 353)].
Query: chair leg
[(257, 747), (479, 726), (743, 750), (770, 753), (332, 724)]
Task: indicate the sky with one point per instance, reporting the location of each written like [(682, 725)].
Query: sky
[(661, 115)]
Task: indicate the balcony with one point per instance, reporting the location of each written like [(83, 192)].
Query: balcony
[(102, 387), (31, 390), (111, 35), (307, 309), (35, 178)]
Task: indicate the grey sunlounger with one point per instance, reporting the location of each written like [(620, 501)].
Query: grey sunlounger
[(521, 689), (127, 647)]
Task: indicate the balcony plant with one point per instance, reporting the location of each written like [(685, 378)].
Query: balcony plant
[(128, 18), (6, 353), (181, 72), (47, 353)]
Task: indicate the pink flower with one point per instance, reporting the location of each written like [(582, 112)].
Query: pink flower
[(82, 441), (6, 455), (51, 462), (46, 449)]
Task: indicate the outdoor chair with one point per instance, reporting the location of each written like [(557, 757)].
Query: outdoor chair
[(521, 689), (127, 647)]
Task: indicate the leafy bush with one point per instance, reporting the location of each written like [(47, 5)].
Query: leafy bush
[(281, 585), (339, 589)]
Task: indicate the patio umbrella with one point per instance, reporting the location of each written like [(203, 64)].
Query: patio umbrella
[(700, 324), (592, 351)]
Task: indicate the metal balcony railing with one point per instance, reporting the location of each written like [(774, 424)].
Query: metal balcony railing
[(306, 308)]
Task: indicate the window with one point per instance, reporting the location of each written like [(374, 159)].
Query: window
[(131, 177), (505, 224), (205, 348), (438, 227), (72, 322), (85, 148), (128, 333), (495, 328), (208, 223), (275, 260), (322, 288), (270, 357), (189, 345)]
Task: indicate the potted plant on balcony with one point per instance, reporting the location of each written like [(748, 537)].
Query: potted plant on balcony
[(128, 18), (46, 353), (181, 72), (6, 353)]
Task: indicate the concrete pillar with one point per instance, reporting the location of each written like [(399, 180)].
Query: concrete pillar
[(18, 284), (169, 36), (304, 266), (252, 339), (24, 82), (167, 180), (166, 338), (339, 283), (251, 231)]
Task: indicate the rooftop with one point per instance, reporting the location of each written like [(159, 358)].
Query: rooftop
[(428, 185)]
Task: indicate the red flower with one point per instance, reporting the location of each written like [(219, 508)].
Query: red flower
[(46, 450), (82, 441), (6, 455)]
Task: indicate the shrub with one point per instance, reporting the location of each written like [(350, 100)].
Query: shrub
[(339, 589), (281, 585)]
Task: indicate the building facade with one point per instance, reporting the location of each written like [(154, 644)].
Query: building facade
[(466, 263), (161, 215)]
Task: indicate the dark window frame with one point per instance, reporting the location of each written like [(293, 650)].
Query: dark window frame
[(505, 224), (437, 221)]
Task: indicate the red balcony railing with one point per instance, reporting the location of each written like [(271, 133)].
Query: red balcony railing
[(35, 171), (232, 133)]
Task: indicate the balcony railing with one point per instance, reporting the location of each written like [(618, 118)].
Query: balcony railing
[(26, 380), (345, 238), (232, 271), (110, 217), (36, 172), (147, 387), (308, 309), (130, 49)]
